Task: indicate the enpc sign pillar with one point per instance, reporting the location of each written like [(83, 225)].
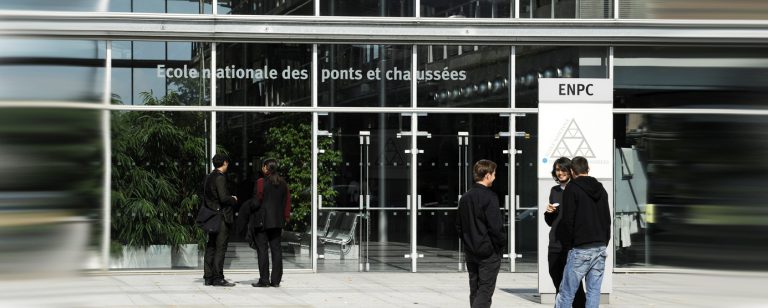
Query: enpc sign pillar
[(575, 119)]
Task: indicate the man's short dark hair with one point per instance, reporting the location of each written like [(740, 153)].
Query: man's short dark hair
[(579, 165), (219, 159), (483, 167)]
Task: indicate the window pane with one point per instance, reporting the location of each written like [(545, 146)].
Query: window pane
[(161, 6), (263, 74), (148, 6), (54, 5), (534, 62), (382, 8), (367, 210), (161, 73), (52, 70), (693, 9), (583, 9), (188, 7), (50, 198), (364, 75), (690, 191), (690, 77), (159, 160), (249, 138), (477, 76), (261, 7), (466, 9)]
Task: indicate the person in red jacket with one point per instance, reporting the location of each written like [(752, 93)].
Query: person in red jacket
[(273, 203)]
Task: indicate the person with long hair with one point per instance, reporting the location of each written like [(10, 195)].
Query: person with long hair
[(274, 207), (557, 256)]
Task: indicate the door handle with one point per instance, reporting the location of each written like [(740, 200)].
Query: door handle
[(418, 202), (408, 203)]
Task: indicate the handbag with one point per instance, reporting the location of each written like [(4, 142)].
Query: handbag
[(257, 209), (255, 216), (208, 219)]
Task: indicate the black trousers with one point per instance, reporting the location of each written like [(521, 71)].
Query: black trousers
[(215, 248), (482, 279), (557, 262), (269, 239)]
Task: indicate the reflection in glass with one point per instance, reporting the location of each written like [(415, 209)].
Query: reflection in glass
[(160, 6), (50, 194), (249, 138), (54, 5), (264, 7), (466, 9), (264, 74), (381, 8), (159, 160), (690, 77), (581, 9), (364, 223), (52, 70), (476, 76), (364, 75), (534, 62), (693, 9), (164, 73), (690, 191)]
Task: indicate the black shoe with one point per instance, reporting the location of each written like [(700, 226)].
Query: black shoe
[(275, 285), (207, 282), (222, 283), (260, 285)]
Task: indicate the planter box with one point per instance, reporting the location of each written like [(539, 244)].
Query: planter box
[(186, 256), (154, 256)]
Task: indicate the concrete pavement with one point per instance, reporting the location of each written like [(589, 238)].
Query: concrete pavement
[(369, 290)]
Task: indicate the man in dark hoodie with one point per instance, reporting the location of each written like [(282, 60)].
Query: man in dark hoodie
[(481, 228), (585, 229)]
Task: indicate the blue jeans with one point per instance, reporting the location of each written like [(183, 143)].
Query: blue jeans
[(589, 262)]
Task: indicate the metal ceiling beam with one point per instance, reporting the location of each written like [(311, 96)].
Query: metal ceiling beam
[(405, 30)]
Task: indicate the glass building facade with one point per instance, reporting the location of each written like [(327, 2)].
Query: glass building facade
[(376, 111)]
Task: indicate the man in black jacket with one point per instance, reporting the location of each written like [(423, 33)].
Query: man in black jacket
[(585, 228), (217, 197), (481, 228)]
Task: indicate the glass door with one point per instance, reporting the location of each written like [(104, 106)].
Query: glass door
[(363, 215), (453, 144)]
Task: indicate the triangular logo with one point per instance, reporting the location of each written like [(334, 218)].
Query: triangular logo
[(572, 143), (394, 153)]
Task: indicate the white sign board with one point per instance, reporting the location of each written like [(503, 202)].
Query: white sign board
[(575, 116), (575, 119)]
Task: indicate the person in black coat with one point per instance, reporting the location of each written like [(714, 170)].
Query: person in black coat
[(480, 225), (273, 210), (557, 256), (218, 198), (585, 228)]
